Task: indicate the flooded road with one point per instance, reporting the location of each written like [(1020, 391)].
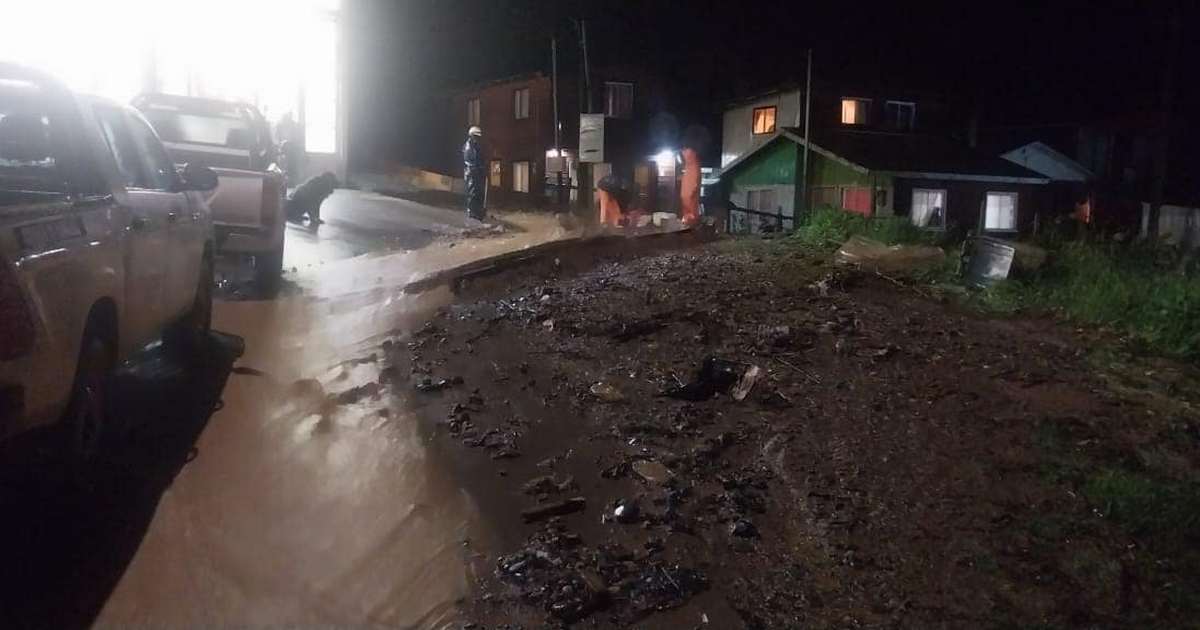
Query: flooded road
[(309, 496)]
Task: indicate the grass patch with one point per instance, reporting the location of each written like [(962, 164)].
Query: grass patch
[(829, 227), (1147, 506), (1123, 287)]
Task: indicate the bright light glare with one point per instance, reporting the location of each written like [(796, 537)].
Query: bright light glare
[(665, 159), (266, 52)]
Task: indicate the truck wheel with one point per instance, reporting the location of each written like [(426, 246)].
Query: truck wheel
[(83, 425), (189, 335), (268, 267)]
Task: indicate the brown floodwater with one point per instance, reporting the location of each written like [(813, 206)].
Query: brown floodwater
[(314, 499)]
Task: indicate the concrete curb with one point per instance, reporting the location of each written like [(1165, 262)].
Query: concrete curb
[(574, 245)]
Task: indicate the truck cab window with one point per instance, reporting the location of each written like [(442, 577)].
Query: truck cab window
[(27, 158), (121, 145), (159, 168)]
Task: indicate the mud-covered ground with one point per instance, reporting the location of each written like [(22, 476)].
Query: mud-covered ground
[(898, 462)]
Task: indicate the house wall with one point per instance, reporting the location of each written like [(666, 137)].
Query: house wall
[(778, 167), (964, 200), (824, 172), (737, 137), (772, 169), (507, 138)]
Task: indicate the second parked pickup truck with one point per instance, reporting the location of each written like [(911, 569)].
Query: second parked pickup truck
[(235, 141)]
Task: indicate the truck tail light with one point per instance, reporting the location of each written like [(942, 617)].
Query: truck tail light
[(16, 329)]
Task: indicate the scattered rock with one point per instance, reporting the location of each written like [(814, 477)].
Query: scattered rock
[(743, 528), (652, 472), (558, 508), (606, 392)]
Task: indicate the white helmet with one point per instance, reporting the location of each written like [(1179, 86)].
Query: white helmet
[(475, 131)]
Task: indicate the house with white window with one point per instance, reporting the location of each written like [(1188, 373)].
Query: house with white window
[(527, 160), (872, 152), (940, 184), (751, 122)]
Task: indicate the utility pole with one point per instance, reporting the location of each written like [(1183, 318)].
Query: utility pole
[(554, 88), (1158, 183), (803, 205), (587, 75), (560, 161)]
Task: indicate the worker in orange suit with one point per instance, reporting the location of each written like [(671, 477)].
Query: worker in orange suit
[(612, 193), (689, 188)]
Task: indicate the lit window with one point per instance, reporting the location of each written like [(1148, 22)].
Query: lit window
[(473, 112), (764, 120), (520, 177), (494, 175), (521, 103), (1001, 212), (855, 110), (618, 100), (901, 115), (929, 208)]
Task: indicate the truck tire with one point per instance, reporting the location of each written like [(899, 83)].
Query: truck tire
[(188, 336), (268, 268), (84, 422)]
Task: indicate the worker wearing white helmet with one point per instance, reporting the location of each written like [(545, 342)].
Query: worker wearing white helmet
[(475, 173)]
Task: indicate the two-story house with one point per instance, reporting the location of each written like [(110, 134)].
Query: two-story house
[(527, 161), (870, 153)]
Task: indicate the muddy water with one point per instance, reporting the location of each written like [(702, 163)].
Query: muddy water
[(313, 499)]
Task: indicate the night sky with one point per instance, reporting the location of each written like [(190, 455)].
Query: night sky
[(1015, 64)]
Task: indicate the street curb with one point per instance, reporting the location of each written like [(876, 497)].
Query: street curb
[(573, 245)]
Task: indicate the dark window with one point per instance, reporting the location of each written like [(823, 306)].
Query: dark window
[(27, 157), (764, 120), (521, 103), (901, 115), (618, 100), (160, 171), (121, 145)]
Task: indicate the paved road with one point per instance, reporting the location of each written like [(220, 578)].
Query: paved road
[(274, 489)]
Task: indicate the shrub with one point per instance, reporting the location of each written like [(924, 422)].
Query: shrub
[(1124, 287), (826, 226)]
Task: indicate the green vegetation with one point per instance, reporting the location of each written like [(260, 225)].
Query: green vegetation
[(1133, 289), (828, 227), (1124, 287), (1146, 506)]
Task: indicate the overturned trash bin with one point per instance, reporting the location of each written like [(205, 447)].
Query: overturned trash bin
[(875, 256), (987, 260)]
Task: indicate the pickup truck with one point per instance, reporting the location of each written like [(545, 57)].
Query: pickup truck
[(104, 248), (235, 141)]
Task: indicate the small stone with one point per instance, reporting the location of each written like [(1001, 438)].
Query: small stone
[(652, 472)]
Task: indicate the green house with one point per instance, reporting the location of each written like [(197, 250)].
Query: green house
[(936, 182)]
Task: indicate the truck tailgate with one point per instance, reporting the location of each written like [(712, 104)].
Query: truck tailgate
[(238, 197)]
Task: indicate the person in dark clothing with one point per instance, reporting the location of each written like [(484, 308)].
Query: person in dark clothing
[(475, 174), (308, 197)]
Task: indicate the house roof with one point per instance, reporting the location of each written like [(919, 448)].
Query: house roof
[(904, 155), (1068, 169)]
